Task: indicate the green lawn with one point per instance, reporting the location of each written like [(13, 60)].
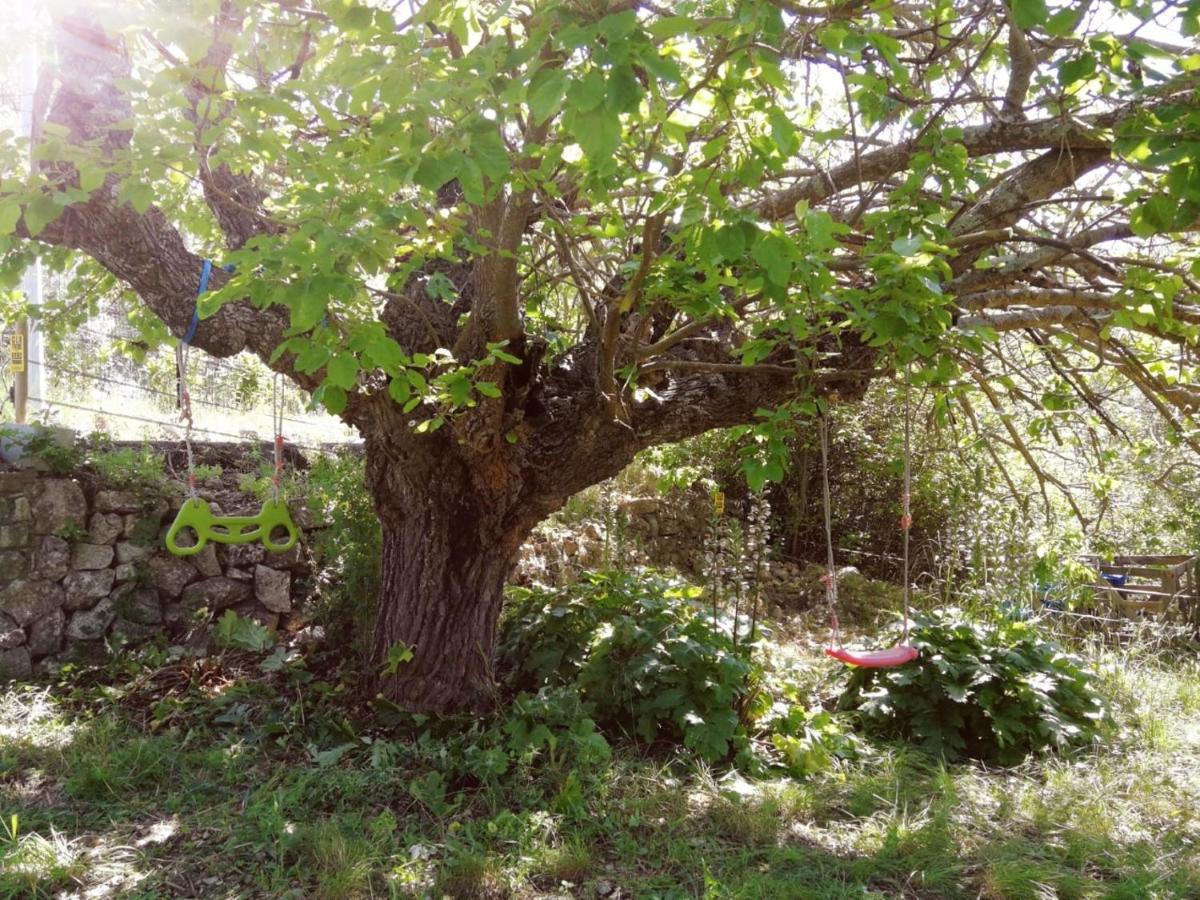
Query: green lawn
[(216, 780)]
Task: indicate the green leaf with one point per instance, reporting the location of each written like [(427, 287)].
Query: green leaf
[(333, 398), (546, 92), (907, 246), (618, 26), (671, 26), (138, 194), (774, 254), (1064, 22), (311, 357), (245, 634), (457, 386), (731, 242), (342, 371), (587, 93), (1155, 215), (91, 178), (1029, 13), (783, 132), (488, 388), (384, 352), (488, 150), (624, 90), (10, 215), (400, 390), (1077, 69), (470, 176), (434, 170), (398, 654), (40, 212), (310, 304), (598, 133)]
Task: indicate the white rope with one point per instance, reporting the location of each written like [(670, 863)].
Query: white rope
[(830, 578), (906, 499), (277, 425)]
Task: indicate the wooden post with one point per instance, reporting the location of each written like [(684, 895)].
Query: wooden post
[(20, 371)]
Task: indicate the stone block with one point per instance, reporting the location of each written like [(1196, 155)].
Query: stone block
[(142, 527), (16, 482), (241, 555), (118, 502), (130, 552), (13, 564), (105, 528), (293, 560), (125, 633), (15, 509), (140, 605), (26, 601), (15, 663), (91, 624), (46, 634), (170, 574), (51, 558), (206, 562), (83, 589), (273, 588), (91, 556), (14, 535), (216, 593), (11, 634), (87, 652), (58, 503), (125, 572)]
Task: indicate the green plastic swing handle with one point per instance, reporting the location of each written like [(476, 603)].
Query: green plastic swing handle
[(197, 515)]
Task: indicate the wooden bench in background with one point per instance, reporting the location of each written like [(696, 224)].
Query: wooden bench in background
[(1153, 585)]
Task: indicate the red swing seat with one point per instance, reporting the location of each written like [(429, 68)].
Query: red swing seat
[(874, 659)]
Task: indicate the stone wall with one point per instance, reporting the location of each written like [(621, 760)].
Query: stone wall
[(83, 569), (671, 531)]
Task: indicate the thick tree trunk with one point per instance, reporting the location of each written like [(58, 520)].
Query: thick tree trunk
[(441, 588), (447, 551)]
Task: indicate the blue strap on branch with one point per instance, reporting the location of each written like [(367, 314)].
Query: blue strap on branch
[(205, 275)]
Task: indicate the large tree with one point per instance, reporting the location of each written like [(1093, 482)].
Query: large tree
[(515, 243)]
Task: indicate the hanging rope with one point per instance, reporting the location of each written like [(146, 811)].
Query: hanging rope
[(906, 519), (277, 425), (830, 576), (876, 659), (185, 411)]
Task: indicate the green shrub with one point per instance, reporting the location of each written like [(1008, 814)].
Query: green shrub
[(994, 692), (641, 655)]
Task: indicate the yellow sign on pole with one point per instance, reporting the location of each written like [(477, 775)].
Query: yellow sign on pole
[(718, 499), (16, 353)]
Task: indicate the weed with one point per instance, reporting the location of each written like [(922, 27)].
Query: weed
[(141, 470)]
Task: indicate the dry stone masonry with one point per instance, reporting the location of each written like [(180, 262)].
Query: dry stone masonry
[(83, 570)]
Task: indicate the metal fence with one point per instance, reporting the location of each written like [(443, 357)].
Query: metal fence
[(98, 379)]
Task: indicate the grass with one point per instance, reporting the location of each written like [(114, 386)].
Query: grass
[(222, 784)]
